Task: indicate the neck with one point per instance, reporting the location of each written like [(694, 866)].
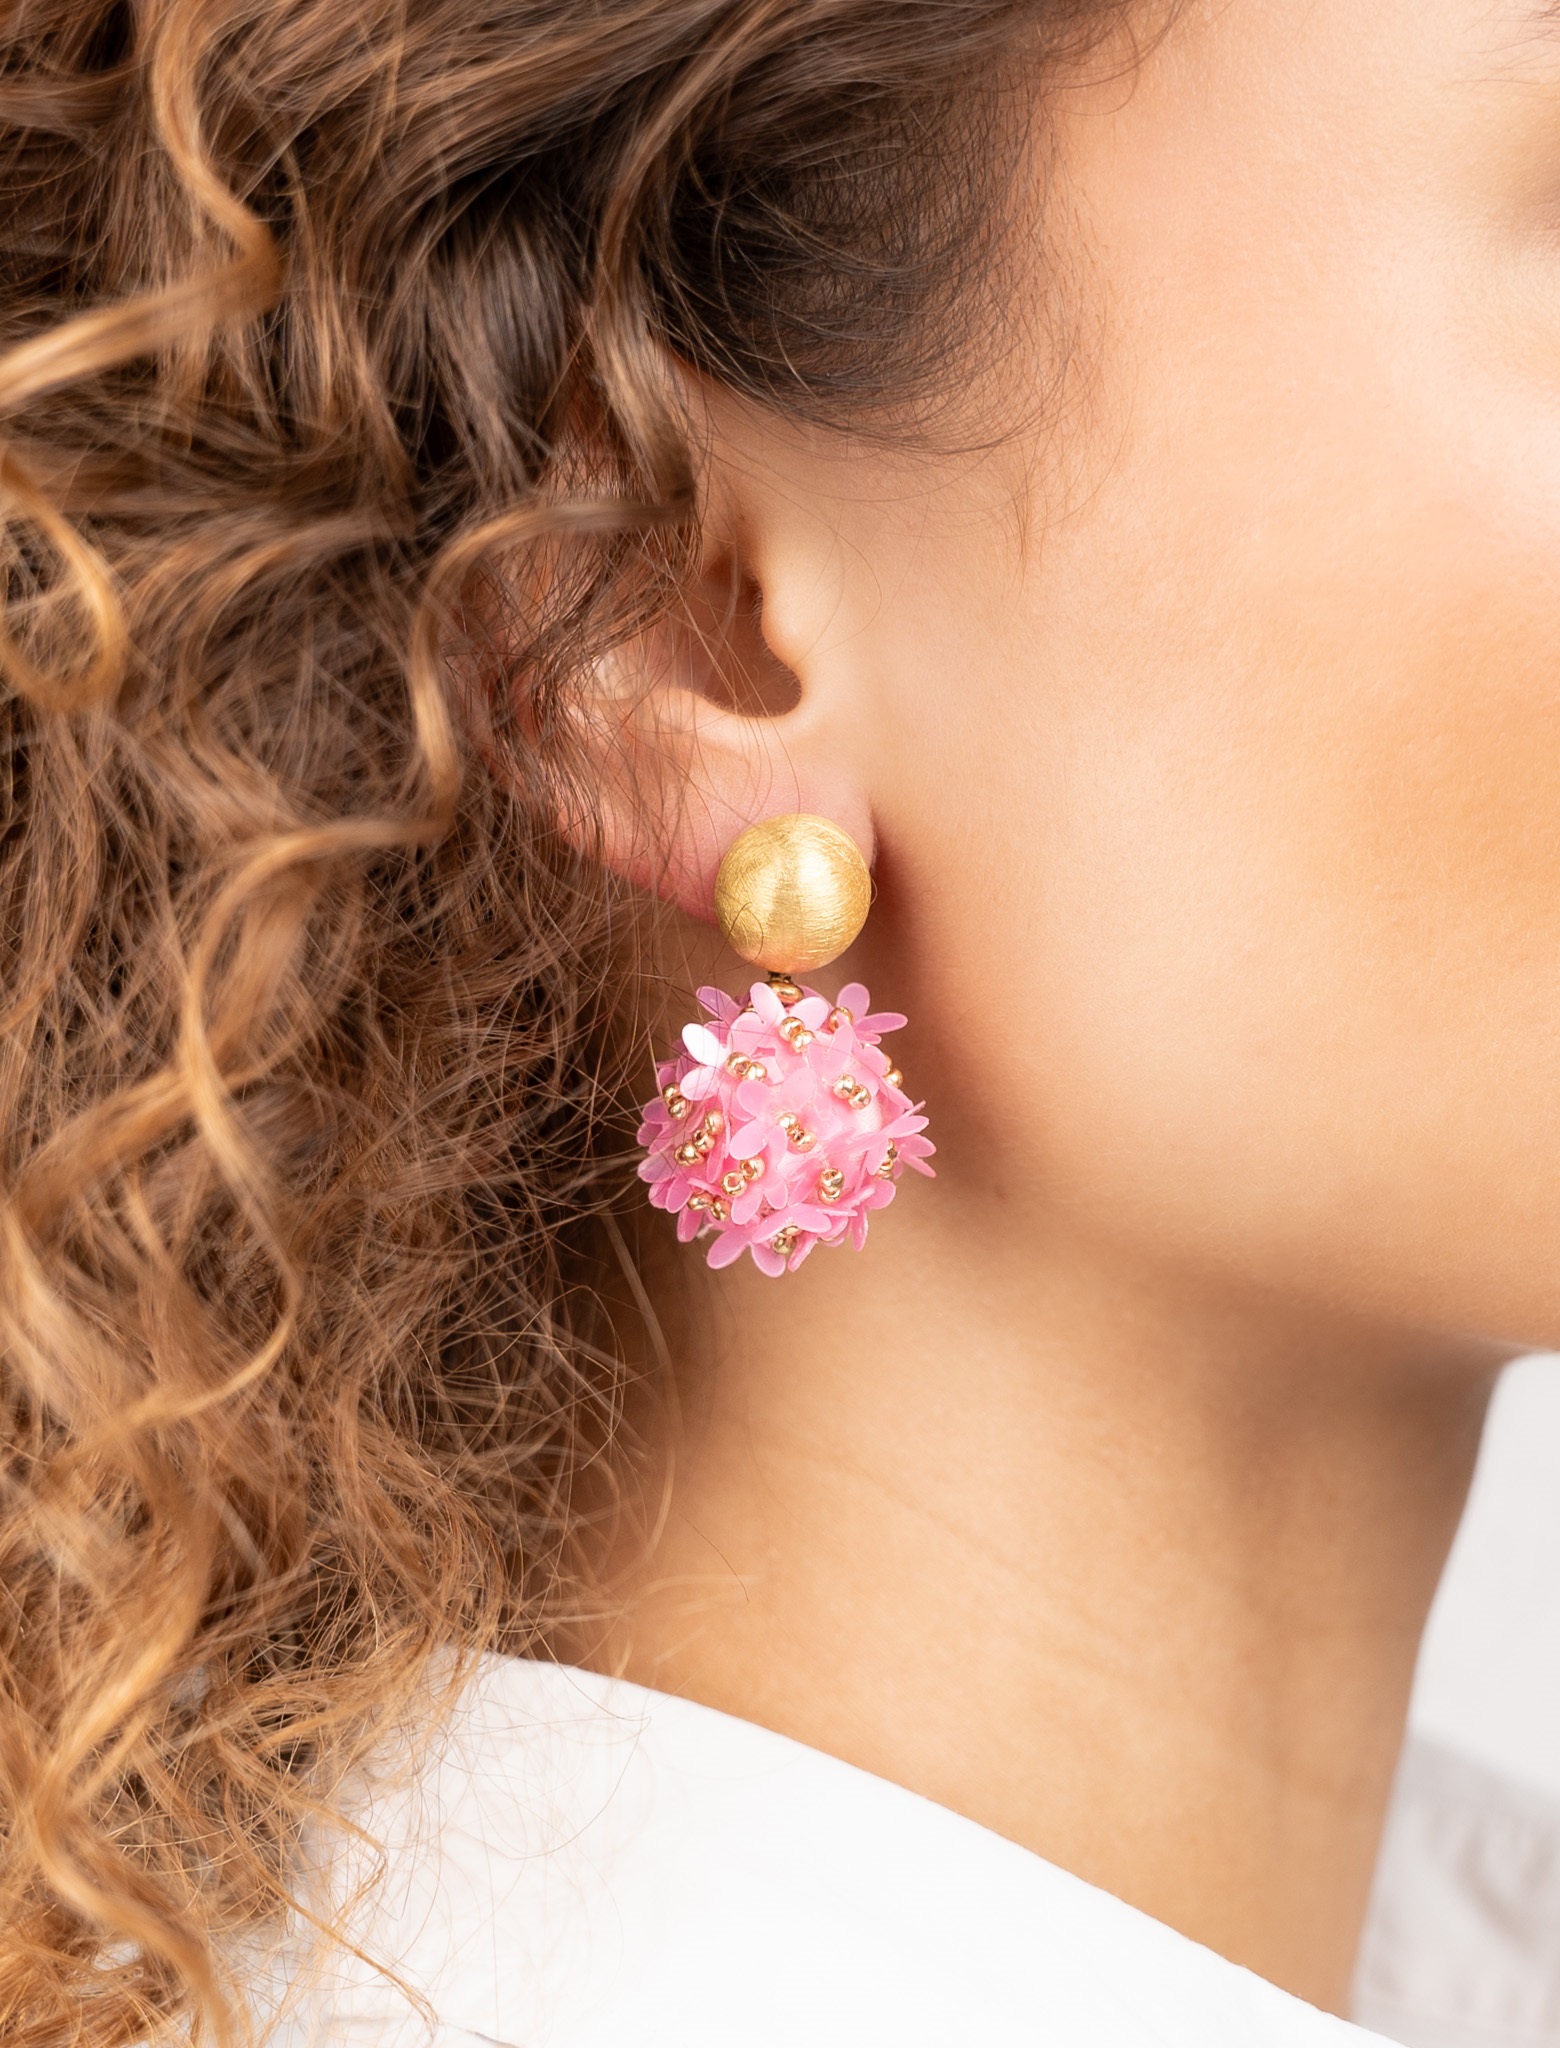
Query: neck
[(1130, 1572)]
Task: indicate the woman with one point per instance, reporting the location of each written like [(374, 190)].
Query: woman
[(465, 465)]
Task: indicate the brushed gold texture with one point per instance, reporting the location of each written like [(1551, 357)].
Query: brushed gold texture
[(792, 893)]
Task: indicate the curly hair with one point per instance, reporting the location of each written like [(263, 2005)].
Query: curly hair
[(318, 317)]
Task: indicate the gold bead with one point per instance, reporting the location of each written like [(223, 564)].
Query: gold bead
[(795, 1033), (703, 1144), (792, 893), (787, 991), (752, 1169), (714, 1122), (784, 1241), (739, 1065), (675, 1099), (688, 1155), (893, 1078), (890, 1160), (700, 1200), (718, 1210), (757, 1071), (831, 1185), (850, 1090), (734, 1182), (836, 1017)]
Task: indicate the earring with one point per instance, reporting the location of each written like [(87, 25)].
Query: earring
[(781, 1124)]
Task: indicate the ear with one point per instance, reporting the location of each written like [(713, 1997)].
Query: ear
[(746, 699)]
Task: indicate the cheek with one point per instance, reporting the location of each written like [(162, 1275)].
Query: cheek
[(1270, 861)]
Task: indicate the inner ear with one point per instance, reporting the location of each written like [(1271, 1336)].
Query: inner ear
[(722, 654)]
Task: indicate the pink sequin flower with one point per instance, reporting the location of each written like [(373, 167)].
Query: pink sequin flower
[(780, 1126)]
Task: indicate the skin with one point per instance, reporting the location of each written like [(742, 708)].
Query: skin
[(1206, 734)]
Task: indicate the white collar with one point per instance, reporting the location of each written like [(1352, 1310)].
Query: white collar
[(590, 1865)]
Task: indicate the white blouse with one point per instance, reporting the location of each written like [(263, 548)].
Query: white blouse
[(585, 1864)]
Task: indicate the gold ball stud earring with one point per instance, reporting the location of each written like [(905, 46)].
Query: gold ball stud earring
[(792, 893)]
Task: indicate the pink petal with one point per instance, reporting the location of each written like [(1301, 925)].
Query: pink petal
[(796, 1091), (726, 1249), (848, 1146), (881, 1021), (689, 1224), (756, 1099), (854, 997), (767, 1259), (704, 1045), (726, 1009), (766, 1003), (749, 1033), (830, 1057), (813, 1010), (700, 1083), (904, 1126), (806, 1216)]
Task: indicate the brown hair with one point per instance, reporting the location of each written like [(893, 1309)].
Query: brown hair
[(314, 315)]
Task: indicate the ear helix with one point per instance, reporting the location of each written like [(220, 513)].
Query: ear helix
[(781, 1124)]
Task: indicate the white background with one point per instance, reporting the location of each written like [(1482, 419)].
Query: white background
[(1489, 1671)]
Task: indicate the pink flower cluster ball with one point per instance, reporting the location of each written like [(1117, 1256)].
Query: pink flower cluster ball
[(780, 1126)]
